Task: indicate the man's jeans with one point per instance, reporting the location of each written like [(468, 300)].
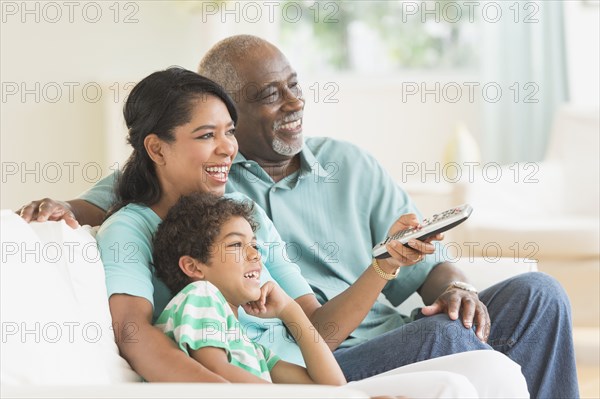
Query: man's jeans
[(531, 324)]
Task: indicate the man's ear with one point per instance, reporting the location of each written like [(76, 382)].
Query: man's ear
[(155, 148), (191, 267)]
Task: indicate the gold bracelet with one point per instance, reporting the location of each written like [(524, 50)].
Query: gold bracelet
[(382, 274)]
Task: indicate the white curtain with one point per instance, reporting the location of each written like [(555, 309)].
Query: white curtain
[(524, 56)]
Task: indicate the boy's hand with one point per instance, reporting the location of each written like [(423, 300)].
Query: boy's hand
[(271, 302)]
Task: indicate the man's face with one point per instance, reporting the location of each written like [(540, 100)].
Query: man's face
[(270, 107)]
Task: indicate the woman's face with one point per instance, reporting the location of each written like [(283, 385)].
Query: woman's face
[(200, 156)]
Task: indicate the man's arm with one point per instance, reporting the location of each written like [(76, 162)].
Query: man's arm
[(147, 349), (440, 297), (438, 280), (87, 213), (89, 208), (74, 212)]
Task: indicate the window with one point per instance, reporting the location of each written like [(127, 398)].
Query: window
[(380, 36)]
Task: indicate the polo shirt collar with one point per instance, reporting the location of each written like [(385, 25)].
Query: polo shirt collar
[(239, 158), (308, 162)]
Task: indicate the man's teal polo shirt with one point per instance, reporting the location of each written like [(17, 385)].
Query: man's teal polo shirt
[(331, 213)]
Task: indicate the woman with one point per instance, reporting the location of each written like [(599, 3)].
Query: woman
[(182, 130)]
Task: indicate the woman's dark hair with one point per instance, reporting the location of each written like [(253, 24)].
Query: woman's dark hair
[(158, 104), (190, 229)]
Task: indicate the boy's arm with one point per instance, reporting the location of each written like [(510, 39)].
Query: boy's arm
[(215, 359), (147, 349), (321, 366)]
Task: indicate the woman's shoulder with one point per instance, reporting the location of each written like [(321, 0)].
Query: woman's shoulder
[(132, 218)]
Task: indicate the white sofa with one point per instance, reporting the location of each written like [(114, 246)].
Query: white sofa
[(549, 211), (57, 339), (545, 210)]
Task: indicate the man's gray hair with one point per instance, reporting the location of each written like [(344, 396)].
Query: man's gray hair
[(219, 62)]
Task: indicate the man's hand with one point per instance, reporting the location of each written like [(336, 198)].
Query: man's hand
[(455, 301), (401, 255), (48, 209), (271, 302)]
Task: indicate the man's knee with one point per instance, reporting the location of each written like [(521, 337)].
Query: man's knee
[(540, 285), (442, 335)]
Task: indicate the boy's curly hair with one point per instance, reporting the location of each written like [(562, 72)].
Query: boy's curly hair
[(190, 229)]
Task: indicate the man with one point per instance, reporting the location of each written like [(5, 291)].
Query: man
[(332, 203)]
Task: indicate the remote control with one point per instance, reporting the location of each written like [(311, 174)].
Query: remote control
[(438, 223)]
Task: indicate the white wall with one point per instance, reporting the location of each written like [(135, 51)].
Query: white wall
[(79, 135), (583, 50), (63, 138), (69, 143), (380, 115)]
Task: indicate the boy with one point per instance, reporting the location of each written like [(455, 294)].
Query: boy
[(206, 252)]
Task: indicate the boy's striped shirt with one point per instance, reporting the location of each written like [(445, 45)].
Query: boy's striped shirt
[(199, 316)]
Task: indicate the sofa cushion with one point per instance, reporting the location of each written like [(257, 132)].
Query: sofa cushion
[(535, 238), (56, 324)]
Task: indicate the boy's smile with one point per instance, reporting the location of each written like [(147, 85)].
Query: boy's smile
[(234, 266)]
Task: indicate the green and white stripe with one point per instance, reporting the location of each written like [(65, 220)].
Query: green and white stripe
[(199, 316)]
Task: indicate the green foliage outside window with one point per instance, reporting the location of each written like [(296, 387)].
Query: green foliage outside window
[(408, 37)]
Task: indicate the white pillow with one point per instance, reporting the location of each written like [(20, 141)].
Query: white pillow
[(56, 324)]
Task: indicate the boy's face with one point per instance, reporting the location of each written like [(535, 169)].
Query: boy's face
[(234, 265)]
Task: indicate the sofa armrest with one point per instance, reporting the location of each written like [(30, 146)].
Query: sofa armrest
[(482, 273), (179, 390)]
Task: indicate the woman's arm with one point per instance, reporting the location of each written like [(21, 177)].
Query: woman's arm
[(337, 318), (124, 241), (147, 349), (215, 360), (321, 366)]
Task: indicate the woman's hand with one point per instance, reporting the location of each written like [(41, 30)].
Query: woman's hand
[(402, 255), (271, 302)]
